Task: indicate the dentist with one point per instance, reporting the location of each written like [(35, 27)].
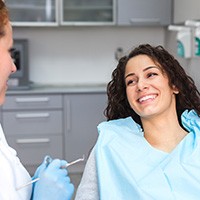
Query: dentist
[(53, 183)]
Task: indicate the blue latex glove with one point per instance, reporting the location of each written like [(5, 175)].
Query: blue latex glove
[(54, 183), (42, 167)]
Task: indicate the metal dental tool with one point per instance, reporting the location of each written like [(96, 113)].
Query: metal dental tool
[(48, 160), (73, 162)]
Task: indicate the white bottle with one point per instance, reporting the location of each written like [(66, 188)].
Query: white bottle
[(184, 43), (197, 41)]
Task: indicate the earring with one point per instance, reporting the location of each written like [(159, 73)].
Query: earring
[(176, 92)]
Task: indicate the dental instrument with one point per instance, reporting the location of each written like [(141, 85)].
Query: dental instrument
[(48, 160)]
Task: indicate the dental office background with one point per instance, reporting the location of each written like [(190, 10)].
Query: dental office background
[(86, 55)]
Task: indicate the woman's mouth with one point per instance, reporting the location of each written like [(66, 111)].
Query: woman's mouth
[(147, 98)]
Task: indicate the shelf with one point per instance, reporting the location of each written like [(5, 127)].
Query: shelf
[(29, 7), (88, 8)]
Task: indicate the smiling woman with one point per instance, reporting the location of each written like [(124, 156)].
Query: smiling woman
[(188, 97), (150, 143), (147, 88)]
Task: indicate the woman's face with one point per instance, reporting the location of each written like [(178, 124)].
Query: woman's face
[(6, 62), (147, 88)]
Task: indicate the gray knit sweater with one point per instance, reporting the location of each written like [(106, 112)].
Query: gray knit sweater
[(88, 187)]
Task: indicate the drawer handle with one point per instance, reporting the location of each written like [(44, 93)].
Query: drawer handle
[(31, 100), (32, 115), (33, 140), (144, 21)]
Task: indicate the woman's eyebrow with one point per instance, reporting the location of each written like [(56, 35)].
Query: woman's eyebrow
[(150, 67), (145, 69), (131, 74)]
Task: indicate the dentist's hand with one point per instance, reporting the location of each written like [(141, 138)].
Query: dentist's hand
[(42, 167), (54, 183)]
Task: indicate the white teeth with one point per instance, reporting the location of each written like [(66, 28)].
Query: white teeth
[(147, 97)]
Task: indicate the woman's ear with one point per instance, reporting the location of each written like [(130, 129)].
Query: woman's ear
[(175, 90)]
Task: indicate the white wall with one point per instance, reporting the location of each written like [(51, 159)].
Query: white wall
[(81, 55)]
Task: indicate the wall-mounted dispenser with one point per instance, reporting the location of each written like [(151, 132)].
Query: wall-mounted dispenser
[(197, 41), (183, 37), (195, 25)]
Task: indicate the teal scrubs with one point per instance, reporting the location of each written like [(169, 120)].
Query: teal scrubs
[(129, 168)]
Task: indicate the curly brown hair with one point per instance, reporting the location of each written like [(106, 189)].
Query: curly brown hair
[(187, 98), (4, 18)]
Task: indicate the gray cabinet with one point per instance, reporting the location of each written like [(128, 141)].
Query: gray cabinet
[(33, 12), (88, 12), (83, 112), (61, 12), (59, 124), (33, 125), (144, 12), (186, 10)]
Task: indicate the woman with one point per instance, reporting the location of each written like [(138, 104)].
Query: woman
[(150, 146), (53, 182)]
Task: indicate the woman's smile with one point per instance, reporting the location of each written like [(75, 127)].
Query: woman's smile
[(147, 98)]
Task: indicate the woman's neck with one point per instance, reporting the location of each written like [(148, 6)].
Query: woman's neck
[(163, 133)]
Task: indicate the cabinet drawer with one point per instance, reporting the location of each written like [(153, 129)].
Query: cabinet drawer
[(32, 102), (36, 122), (31, 150)]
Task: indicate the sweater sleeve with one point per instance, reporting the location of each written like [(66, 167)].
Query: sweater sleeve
[(88, 187)]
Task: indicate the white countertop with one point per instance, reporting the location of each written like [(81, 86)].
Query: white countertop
[(59, 89)]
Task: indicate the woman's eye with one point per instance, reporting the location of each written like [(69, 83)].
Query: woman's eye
[(131, 82), (151, 74)]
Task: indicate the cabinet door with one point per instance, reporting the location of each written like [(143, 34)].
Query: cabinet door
[(144, 12), (87, 12), (32, 149), (33, 12), (83, 112), (184, 10)]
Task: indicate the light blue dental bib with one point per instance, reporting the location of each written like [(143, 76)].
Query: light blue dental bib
[(130, 169)]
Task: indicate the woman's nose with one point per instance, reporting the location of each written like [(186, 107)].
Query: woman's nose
[(141, 85)]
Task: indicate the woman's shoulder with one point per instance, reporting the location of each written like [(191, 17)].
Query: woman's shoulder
[(122, 123), (123, 129), (190, 120)]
